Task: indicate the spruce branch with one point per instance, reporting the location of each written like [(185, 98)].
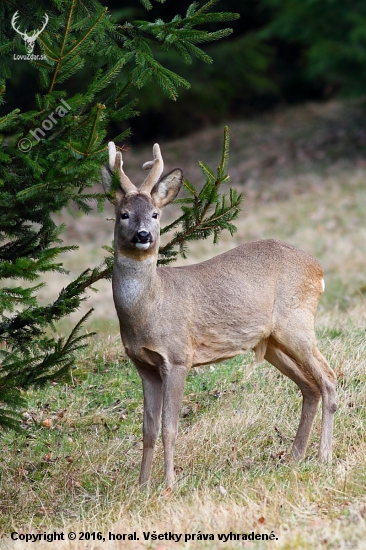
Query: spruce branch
[(205, 212), (59, 56), (94, 128)]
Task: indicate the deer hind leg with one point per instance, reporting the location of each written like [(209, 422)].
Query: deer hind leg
[(309, 389), (300, 344), (329, 407), (153, 399), (174, 378)]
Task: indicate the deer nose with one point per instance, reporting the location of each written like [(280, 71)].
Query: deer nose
[(144, 236)]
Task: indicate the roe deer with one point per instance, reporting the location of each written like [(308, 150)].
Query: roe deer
[(260, 296)]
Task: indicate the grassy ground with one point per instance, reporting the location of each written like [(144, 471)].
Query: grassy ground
[(75, 468)]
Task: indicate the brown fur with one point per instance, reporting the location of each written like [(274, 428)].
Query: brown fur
[(260, 296)]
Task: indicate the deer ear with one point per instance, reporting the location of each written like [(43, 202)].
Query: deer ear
[(116, 196), (165, 191)]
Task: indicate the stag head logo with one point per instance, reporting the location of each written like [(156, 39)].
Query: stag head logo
[(29, 40)]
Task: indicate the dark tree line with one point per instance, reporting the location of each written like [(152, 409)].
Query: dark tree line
[(280, 51)]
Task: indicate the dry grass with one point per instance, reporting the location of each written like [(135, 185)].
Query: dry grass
[(303, 174), (233, 469)]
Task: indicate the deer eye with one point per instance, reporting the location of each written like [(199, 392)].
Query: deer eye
[(124, 216), (155, 215)]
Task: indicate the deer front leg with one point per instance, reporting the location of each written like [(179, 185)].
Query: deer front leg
[(174, 379), (153, 400)]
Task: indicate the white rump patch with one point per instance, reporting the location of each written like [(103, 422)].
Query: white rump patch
[(323, 285), (142, 246)]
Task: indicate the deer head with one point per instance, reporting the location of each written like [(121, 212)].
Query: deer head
[(29, 40), (138, 210)]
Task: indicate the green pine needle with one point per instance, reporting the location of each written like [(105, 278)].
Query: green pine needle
[(204, 213)]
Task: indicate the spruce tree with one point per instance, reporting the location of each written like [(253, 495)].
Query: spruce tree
[(51, 155)]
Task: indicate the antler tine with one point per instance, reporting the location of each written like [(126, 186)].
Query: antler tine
[(111, 155), (156, 166), (45, 22), (116, 163), (13, 22), (37, 33)]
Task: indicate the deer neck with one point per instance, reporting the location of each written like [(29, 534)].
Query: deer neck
[(134, 281)]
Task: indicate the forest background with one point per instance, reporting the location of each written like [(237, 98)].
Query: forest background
[(280, 53)]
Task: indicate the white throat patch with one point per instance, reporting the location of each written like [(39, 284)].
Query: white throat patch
[(142, 246)]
